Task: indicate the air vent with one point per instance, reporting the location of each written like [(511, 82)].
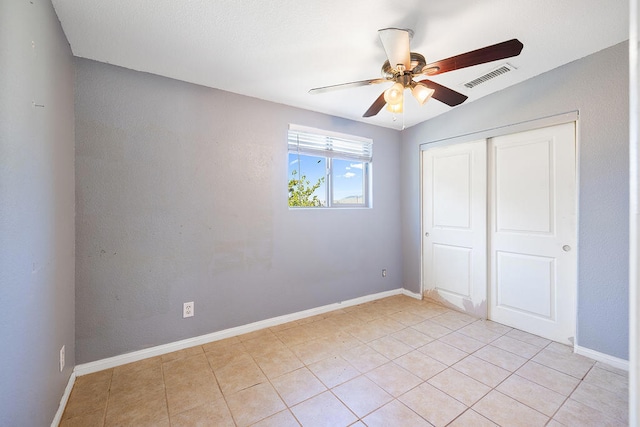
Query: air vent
[(503, 69)]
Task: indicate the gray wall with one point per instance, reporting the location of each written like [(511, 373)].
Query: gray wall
[(36, 212), (597, 86), (182, 196)]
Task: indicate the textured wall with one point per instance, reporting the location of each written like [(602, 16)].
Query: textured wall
[(597, 86), (36, 212), (182, 196)]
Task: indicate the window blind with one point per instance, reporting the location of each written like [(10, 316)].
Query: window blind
[(322, 143)]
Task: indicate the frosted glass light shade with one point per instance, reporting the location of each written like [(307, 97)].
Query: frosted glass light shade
[(422, 93), (393, 95)]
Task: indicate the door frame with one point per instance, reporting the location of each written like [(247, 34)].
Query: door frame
[(634, 212), (569, 117)]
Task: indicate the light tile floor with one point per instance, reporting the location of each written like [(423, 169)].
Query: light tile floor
[(392, 362)]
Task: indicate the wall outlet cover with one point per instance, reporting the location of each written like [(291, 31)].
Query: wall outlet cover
[(187, 309)]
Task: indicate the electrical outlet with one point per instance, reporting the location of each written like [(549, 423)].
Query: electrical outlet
[(61, 358), (187, 309), (384, 272)]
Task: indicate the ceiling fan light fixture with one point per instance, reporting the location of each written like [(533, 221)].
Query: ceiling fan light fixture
[(408, 65), (422, 93), (393, 95)]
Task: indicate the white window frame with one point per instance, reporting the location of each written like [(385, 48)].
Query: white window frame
[(329, 145)]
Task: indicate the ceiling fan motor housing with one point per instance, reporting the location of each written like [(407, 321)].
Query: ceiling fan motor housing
[(417, 64)]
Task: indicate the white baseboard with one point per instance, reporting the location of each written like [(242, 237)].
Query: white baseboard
[(111, 362), (63, 402), (601, 357), (411, 294)]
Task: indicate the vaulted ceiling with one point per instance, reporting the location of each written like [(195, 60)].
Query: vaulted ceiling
[(278, 50)]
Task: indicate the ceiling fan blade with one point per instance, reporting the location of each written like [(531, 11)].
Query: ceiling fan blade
[(396, 45), (376, 106), (494, 52), (444, 94), (347, 85)]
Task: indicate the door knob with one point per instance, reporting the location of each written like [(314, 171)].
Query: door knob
[(426, 234), (566, 248)]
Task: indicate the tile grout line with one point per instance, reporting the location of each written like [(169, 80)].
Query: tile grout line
[(569, 395), (594, 385), (224, 397), (164, 386), (288, 408), (106, 406)]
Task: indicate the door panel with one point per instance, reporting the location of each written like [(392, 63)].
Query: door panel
[(526, 284), (451, 188), (454, 225), (524, 180), (452, 267), (533, 217)]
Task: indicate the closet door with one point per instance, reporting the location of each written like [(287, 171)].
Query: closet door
[(532, 231), (454, 225)]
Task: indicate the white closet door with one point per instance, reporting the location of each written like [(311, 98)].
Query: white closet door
[(454, 225), (533, 231)]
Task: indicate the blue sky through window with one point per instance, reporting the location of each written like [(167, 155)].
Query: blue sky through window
[(348, 184)]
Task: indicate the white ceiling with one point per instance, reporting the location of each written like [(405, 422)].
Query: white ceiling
[(277, 50)]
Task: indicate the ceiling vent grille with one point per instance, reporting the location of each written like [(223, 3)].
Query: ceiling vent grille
[(503, 69)]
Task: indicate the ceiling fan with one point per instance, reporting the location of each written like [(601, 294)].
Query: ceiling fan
[(408, 65)]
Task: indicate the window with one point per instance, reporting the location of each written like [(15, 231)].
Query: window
[(328, 169)]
